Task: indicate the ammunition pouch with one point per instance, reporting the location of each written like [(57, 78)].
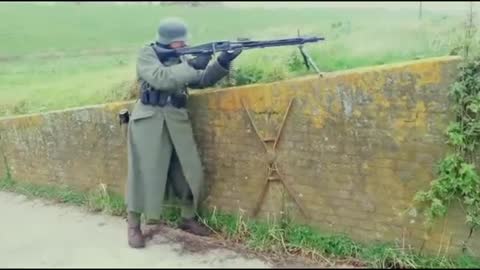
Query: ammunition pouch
[(160, 98)]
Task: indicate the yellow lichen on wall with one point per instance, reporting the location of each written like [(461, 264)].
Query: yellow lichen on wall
[(23, 122)]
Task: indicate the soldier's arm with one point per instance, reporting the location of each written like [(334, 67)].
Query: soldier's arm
[(209, 76), (216, 70), (161, 77)]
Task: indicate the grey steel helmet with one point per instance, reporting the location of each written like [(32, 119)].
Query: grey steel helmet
[(171, 30)]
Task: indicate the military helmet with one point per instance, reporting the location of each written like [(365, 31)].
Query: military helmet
[(171, 30)]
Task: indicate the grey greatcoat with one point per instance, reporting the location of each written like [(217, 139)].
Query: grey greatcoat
[(161, 138)]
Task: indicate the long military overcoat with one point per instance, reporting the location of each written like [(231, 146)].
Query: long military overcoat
[(154, 133)]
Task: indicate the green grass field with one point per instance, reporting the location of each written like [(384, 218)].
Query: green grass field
[(67, 55)]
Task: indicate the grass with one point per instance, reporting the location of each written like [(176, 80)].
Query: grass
[(99, 200), (67, 55), (291, 238), (282, 237)]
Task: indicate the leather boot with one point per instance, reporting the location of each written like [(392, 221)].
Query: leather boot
[(135, 237), (192, 226)]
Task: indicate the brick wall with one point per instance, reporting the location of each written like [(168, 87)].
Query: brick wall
[(354, 148)]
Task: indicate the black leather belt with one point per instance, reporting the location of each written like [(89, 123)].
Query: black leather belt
[(160, 98)]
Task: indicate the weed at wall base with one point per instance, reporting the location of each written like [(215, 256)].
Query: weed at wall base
[(6, 183), (98, 200), (103, 200), (290, 238)]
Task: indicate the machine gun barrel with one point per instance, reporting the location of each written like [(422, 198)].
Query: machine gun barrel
[(219, 46)]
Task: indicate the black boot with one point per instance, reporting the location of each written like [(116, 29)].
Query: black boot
[(192, 226), (135, 237)]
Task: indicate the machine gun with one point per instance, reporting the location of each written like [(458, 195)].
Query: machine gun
[(244, 44)]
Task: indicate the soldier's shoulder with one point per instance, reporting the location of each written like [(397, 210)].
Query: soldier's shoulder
[(146, 49)]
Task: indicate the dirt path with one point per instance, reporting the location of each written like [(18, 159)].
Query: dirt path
[(34, 233)]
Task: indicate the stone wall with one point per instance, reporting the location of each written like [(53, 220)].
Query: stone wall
[(344, 153)]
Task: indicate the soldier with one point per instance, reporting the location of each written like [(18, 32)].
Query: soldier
[(162, 153)]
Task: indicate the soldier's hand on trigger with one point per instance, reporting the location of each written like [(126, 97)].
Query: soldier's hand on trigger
[(225, 58), (200, 62)]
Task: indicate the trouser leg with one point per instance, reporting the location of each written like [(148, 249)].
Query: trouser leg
[(181, 188)]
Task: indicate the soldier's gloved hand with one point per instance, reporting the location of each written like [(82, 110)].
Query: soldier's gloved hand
[(200, 62), (225, 58)]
